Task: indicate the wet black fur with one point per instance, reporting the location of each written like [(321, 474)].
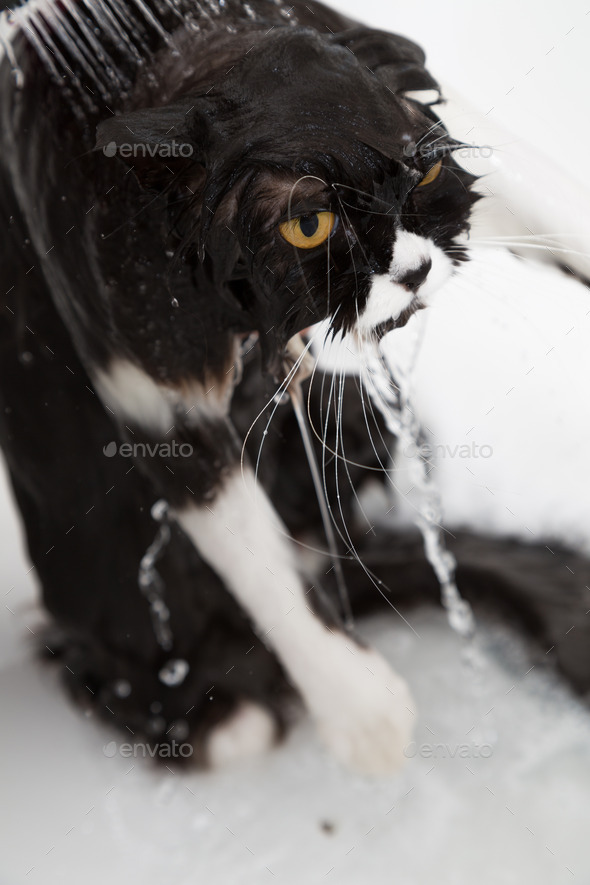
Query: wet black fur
[(93, 255)]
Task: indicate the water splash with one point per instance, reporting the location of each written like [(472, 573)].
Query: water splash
[(150, 581), (391, 396), (94, 50), (6, 33)]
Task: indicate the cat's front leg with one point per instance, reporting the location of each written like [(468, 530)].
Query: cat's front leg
[(363, 710)]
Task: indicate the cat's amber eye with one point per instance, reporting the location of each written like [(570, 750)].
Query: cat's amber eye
[(308, 231), (431, 175)]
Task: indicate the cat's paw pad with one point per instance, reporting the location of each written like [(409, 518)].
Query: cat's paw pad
[(366, 718), (249, 731)]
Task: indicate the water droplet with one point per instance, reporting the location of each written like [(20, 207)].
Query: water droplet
[(26, 357), (122, 688), (159, 510), (248, 343), (161, 609), (18, 78), (174, 672), (174, 302)]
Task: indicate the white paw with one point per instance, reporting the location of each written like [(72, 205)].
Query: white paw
[(249, 731), (364, 711)]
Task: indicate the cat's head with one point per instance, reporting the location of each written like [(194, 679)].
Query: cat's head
[(309, 184)]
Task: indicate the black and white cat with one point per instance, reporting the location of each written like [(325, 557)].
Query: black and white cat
[(188, 187)]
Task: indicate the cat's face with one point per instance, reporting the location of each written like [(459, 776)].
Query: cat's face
[(364, 250), (319, 193)]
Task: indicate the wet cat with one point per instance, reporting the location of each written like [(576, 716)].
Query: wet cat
[(190, 187)]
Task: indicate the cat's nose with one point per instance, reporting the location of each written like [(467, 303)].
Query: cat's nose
[(413, 279)]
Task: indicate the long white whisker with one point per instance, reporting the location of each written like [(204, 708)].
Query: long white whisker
[(276, 396), (297, 400), (516, 244), (433, 128)]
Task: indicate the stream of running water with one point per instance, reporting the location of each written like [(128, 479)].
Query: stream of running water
[(150, 581), (389, 390), (390, 394), (71, 37)]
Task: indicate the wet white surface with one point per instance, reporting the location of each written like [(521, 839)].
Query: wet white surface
[(494, 790)]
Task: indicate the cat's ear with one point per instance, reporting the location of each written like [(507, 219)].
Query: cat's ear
[(398, 62), (161, 145)]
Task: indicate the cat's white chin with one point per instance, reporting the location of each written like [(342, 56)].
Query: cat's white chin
[(393, 302), (387, 302)]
